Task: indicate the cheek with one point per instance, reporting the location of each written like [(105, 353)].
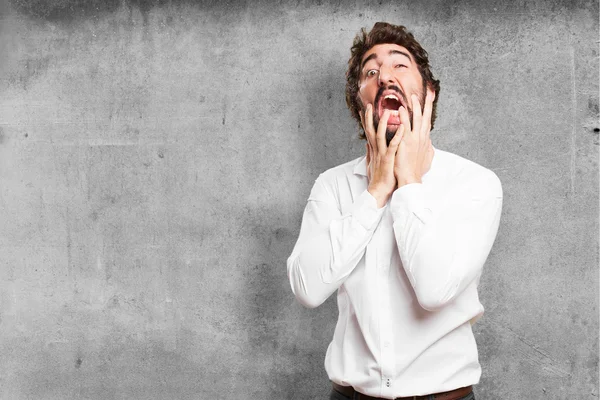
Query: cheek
[(365, 93), (361, 92)]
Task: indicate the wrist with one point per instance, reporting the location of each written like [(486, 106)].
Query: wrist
[(380, 195), (407, 180)]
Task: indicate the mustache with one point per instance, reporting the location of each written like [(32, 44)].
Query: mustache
[(391, 87)]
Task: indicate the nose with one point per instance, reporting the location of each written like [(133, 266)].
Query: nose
[(385, 76)]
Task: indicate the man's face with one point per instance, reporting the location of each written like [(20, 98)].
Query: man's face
[(389, 77)]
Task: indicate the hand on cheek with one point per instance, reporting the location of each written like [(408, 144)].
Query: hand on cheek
[(380, 157), (414, 155)]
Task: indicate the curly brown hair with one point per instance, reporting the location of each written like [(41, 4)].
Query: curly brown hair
[(384, 33)]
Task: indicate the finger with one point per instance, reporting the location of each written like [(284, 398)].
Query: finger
[(395, 142), (368, 126), (381, 129), (417, 113), (427, 112), (368, 155), (362, 119), (361, 114), (405, 120)]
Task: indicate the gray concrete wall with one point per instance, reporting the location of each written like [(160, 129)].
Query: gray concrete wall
[(155, 159)]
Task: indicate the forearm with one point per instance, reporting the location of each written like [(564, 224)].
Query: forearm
[(320, 266), (328, 249), (443, 250)]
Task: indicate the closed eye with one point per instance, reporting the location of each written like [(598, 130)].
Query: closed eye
[(401, 65)]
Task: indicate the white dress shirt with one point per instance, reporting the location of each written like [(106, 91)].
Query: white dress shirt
[(406, 274)]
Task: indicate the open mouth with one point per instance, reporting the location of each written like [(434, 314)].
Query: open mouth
[(390, 102)]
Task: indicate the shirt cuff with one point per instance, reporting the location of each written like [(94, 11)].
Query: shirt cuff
[(366, 212), (409, 200)]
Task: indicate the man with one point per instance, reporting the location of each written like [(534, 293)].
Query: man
[(401, 233)]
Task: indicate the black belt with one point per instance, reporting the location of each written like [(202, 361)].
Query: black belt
[(455, 394)]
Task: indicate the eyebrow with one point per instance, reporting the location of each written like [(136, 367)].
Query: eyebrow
[(373, 55)]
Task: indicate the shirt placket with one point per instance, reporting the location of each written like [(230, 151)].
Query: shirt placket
[(386, 342)]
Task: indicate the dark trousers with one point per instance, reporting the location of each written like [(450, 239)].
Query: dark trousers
[(335, 395)]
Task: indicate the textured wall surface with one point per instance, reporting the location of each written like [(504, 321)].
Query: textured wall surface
[(155, 159)]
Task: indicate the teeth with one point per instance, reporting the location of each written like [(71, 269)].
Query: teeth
[(393, 113), (391, 96)]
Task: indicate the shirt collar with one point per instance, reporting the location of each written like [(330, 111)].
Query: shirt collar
[(361, 166)]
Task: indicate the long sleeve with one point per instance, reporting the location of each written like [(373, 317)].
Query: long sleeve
[(330, 243), (444, 242)]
